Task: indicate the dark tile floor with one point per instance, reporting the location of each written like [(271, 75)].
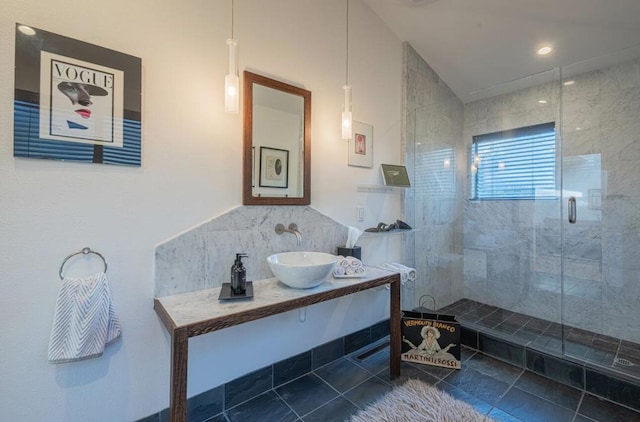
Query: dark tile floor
[(596, 349), (337, 390)]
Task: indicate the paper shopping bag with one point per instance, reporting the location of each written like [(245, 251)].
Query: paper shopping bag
[(430, 338)]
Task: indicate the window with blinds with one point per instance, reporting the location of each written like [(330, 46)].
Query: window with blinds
[(515, 164)]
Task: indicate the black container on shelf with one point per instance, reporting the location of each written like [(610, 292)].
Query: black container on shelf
[(355, 252)]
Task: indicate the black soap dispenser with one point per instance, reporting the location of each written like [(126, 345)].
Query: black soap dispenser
[(238, 275)]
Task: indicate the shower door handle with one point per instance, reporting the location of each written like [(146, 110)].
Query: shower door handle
[(572, 210)]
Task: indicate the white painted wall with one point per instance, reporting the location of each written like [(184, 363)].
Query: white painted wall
[(191, 172)]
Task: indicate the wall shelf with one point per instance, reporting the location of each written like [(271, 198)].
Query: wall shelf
[(379, 189), (389, 233)]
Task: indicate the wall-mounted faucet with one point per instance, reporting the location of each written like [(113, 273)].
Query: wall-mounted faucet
[(293, 229)]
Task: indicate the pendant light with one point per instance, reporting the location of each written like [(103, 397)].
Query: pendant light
[(347, 117), (231, 80)]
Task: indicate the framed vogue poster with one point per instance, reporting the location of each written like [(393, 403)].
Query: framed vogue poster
[(274, 167), (75, 101), (361, 145)]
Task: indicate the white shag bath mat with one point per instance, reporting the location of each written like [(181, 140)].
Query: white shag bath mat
[(415, 401)]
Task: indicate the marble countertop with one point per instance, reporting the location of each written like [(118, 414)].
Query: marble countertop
[(190, 308)]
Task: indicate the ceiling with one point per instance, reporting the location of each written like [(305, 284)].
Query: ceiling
[(475, 45)]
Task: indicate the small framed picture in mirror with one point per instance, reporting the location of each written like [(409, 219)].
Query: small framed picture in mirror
[(274, 167), (361, 146)]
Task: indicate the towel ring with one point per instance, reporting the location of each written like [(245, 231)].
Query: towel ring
[(84, 251)]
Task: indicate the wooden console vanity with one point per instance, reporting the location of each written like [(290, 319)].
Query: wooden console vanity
[(195, 313)]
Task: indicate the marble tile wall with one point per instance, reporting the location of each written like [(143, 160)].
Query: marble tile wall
[(201, 257), (513, 248), (613, 116), (432, 122)]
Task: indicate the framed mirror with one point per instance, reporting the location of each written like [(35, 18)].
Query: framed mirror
[(277, 143)]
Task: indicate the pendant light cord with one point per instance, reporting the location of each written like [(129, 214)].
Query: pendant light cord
[(347, 47), (232, 19)]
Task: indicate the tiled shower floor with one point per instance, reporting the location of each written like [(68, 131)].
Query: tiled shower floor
[(611, 354)]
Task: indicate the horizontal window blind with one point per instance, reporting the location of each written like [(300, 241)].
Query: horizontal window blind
[(515, 164)]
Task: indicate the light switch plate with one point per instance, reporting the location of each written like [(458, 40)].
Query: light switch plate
[(360, 213)]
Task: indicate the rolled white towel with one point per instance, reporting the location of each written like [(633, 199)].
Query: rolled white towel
[(343, 262), (349, 266), (387, 266), (354, 262), (411, 272), (404, 275)]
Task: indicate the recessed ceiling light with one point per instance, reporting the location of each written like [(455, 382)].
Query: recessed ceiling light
[(542, 101), (568, 83), (543, 51), (27, 30)]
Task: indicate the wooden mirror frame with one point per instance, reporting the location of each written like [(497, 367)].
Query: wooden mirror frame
[(247, 154)]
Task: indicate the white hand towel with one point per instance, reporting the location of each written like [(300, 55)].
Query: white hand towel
[(411, 272), (403, 274), (354, 262), (406, 273), (85, 320), (349, 266)]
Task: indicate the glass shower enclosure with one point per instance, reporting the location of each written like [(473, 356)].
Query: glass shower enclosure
[(526, 205), (600, 231)]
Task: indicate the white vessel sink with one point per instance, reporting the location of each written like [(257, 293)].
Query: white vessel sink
[(302, 270)]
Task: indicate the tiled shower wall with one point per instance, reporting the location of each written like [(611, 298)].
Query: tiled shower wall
[(435, 157), (508, 253), (201, 257), (509, 246), (512, 248), (601, 120)]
